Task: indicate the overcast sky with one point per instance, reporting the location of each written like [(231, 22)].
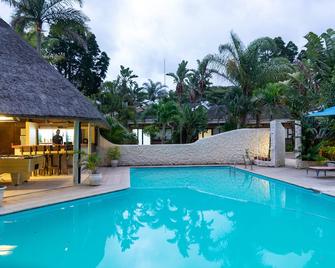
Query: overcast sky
[(142, 33)]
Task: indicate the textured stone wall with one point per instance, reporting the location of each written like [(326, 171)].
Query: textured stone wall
[(228, 147)]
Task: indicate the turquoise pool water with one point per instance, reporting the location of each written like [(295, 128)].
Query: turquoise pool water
[(178, 217)]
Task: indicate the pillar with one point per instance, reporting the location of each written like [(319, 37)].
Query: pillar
[(297, 139), (89, 138), (277, 132), (76, 153)]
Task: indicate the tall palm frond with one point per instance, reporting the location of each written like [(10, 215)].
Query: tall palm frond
[(249, 67), (32, 14)]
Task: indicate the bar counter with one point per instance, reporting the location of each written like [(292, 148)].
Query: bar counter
[(21, 167), (42, 149), (58, 158)]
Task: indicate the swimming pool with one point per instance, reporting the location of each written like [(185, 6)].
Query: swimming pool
[(178, 217)]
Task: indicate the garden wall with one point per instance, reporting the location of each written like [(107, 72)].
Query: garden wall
[(228, 147)]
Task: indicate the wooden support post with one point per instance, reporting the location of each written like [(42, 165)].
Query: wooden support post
[(89, 138), (76, 155)]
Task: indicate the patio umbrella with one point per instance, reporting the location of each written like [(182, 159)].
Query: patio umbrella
[(327, 112)]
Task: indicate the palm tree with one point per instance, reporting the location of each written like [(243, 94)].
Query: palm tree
[(205, 74), (165, 113), (271, 96), (179, 79), (122, 97), (32, 14), (192, 83), (126, 85), (193, 121), (198, 80), (251, 67), (155, 91)]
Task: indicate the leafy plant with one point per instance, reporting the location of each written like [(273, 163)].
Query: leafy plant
[(165, 114), (151, 130), (289, 147), (117, 133), (114, 153), (91, 163), (193, 121), (312, 136), (327, 149)]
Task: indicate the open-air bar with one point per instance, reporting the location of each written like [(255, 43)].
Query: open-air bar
[(45, 122)]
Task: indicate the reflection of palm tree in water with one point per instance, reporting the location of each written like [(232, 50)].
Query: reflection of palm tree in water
[(221, 230), (126, 227), (190, 226), (225, 231)]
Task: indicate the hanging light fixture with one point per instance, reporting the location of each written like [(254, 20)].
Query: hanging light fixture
[(6, 119)]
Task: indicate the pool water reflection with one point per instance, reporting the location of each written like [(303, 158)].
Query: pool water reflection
[(178, 217)]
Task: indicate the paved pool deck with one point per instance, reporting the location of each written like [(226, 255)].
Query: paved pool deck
[(43, 192), (299, 177), (37, 193)]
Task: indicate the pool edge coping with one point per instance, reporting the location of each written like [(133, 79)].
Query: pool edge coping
[(75, 198), (314, 190)]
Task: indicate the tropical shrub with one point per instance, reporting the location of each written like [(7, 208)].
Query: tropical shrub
[(91, 163), (117, 133), (114, 153)]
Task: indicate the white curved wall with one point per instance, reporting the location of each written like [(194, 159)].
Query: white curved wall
[(228, 147)]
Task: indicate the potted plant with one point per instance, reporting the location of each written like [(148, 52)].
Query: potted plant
[(114, 154), (91, 163), (2, 190)]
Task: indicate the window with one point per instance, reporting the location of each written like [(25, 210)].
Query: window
[(45, 135), (142, 138)]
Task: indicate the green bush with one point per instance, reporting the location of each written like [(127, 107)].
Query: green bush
[(327, 150), (289, 147), (151, 130), (91, 162), (113, 153), (117, 133)]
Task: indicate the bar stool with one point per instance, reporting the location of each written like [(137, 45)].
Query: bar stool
[(55, 151), (41, 150), (26, 150), (69, 163), (50, 166), (47, 155)]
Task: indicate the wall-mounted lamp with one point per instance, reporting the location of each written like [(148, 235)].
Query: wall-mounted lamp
[(6, 119)]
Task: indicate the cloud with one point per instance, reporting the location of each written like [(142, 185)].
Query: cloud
[(142, 33)]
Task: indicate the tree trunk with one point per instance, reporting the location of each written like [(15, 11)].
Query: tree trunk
[(180, 134), (238, 125), (258, 120), (243, 120), (163, 134), (38, 37), (180, 125)]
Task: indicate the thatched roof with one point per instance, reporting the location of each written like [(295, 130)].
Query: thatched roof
[(31, 88)]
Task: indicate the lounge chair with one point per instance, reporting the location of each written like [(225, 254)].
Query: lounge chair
[(321, 168)]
